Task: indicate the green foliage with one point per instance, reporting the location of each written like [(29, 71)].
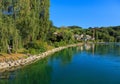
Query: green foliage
[(28, 22), (32, 51), (105, 34), (58, 44), (28, 26), (9, 35), (37, 47)]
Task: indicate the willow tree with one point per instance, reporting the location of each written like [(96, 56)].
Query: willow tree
[(33, 19), (9, 35), (23, 21), (44, 18), (26, 21)]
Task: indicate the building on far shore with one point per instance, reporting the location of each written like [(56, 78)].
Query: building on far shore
[(83, 37)]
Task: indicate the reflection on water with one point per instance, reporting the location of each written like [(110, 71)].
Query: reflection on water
[(66, 56), (87, 64), (102, 49), (38, 73)]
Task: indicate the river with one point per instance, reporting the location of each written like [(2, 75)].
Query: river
[(88, 64)]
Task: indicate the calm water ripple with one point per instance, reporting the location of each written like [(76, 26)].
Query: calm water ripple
[(88, 64)]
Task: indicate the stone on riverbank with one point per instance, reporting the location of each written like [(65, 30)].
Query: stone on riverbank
[(31, 59)]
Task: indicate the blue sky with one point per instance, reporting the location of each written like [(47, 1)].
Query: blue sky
[(85, 13)]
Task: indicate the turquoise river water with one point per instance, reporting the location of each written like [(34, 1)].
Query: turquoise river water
[(88, 64)]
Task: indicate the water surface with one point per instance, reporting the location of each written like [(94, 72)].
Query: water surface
[(88, 64)]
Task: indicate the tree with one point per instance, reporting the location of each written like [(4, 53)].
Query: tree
[(22, 22)]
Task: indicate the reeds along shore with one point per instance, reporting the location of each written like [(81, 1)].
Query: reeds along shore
[(11, 65)]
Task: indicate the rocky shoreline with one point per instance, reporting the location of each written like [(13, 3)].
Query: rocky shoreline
[(11, 65)]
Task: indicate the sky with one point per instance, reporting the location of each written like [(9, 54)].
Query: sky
[(85, 13)]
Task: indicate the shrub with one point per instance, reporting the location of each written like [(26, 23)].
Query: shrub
[(37, 47), (32, 51)]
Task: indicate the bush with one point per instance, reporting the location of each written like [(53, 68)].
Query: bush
[(61, 43), (38, 47), (32, 51)]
